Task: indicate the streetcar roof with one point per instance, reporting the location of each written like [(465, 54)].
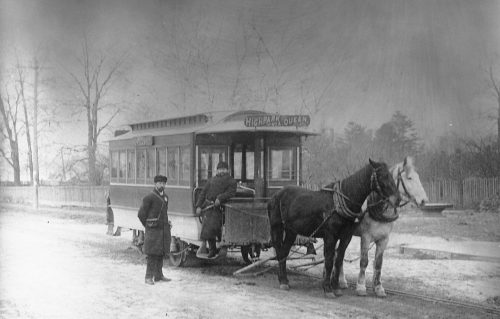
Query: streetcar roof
[(208, 122)]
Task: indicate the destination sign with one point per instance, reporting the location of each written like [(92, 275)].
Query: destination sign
[(277, 120)]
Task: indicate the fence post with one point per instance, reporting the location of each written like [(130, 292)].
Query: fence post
[(461, 192)]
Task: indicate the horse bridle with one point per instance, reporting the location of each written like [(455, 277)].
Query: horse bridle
[(406, 194), (377, 189)]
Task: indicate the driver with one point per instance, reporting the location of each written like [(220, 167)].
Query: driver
[(218, 190)]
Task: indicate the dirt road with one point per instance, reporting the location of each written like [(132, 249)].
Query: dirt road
[(55, 265)]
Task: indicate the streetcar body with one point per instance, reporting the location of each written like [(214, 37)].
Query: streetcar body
[(263, 152)]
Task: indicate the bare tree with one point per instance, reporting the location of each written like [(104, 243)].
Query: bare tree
[(495, 85), (22, 82), (10, 130), (93, 83)]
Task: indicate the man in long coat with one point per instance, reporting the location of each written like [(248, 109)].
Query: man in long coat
[(153, 216), (218, 190)]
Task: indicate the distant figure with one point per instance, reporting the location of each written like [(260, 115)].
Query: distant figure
[(217, 191), (153, 216), (110, 219)]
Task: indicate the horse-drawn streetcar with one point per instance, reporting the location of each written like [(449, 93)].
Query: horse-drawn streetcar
[(263, 152)]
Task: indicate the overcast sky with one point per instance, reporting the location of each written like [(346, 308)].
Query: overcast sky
[(363, 59)]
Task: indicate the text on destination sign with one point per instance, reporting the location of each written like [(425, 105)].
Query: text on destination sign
[(277, 120)]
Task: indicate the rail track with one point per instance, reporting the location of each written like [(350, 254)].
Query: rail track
[(444, 301), (395, 292)]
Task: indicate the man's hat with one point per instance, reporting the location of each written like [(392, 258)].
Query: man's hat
[(160, 179), (222, 165)]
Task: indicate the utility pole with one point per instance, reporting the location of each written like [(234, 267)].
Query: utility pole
[(36, 179)]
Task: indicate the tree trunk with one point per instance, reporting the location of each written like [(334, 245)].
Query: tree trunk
[(14, 149), (91, 145), (92, 163), (28, 142), (498, 126), (27, 126)]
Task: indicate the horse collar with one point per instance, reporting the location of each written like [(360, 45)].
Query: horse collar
[(339, 202)]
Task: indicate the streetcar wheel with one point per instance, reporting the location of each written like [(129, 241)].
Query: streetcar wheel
[(178, 252), (250, 253)]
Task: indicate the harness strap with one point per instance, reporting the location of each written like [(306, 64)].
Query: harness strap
[(339, 201)]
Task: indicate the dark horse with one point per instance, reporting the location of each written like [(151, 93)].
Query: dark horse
[(329, 214)]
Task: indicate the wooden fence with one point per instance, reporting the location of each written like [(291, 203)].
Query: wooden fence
[(81, 196), (465, 194), (462, 194)]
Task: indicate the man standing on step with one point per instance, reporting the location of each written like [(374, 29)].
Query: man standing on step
[(218, 190), (153, 216)]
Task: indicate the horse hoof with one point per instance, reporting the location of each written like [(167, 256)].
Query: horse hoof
[(343, 285), (284, 287), (361, 293), (361, 290), (338, 292), (330, 295), (380, 292)]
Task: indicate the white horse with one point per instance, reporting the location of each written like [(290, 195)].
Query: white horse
[(377, 224)]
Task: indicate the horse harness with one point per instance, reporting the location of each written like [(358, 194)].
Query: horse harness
[(340, 205), (376, 210)]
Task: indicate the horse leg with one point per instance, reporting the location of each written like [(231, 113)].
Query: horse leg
[(342, 280), (339, 260), (277, 241), (285, 250), (363, 263), (329, 253), (377, 267)]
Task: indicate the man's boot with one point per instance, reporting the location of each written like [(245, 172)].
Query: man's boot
[(212, 252), (150, 269), (159, 270)]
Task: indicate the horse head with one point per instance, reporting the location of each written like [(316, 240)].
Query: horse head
[(408, 182), (382, 182)]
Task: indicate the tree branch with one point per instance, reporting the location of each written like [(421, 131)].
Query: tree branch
[(107, 123), (2, 153)]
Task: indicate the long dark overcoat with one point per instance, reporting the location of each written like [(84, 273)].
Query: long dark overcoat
[(156, 240), (221, 187)]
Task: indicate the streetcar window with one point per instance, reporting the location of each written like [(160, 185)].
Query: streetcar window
[(114, 164), (238, 160), (173, 165), (185, 165), (150, 171), (161, 161), (282, 164), (131, 166), (141, 166), (122, 165), (250, 165), (204, 162), (243, 161)]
